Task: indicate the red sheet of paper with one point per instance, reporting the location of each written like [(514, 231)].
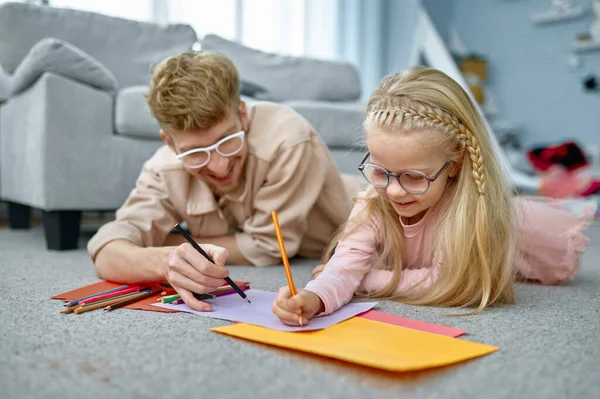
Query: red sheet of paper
[(143, 304), (414, 324)]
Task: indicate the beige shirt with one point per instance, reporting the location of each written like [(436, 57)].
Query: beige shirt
[(288, 169)]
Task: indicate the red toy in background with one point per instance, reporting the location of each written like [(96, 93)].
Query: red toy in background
[(564, 170)]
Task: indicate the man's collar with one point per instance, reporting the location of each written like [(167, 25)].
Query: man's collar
[(201, 199)]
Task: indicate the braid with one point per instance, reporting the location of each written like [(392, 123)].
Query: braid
[(424, 114)]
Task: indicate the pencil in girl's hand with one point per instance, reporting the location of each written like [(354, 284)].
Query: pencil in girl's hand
[(197, 248), (284, 258), (128, 301)]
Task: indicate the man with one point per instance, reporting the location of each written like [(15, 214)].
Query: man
[(225, 167)]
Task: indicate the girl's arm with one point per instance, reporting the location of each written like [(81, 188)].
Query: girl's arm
[(411, 281), (344, 272)]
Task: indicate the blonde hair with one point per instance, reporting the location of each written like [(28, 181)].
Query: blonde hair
[(475, 236), (193, 90)]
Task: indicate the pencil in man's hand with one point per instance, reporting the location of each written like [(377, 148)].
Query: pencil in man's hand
[(199, 249)]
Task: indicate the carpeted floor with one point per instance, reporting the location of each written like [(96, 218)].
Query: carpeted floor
[(550, 342)]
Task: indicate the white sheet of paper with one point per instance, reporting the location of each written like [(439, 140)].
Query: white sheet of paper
[(233, 308)]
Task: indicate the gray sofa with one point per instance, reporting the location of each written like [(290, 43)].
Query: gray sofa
[(64, 143), (76, 129)]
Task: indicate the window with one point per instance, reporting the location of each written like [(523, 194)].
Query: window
[(205, 16), (294, 27), (274, 25), (140, 10)]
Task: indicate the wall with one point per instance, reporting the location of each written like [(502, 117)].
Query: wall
[(530, 79), (378, 36)]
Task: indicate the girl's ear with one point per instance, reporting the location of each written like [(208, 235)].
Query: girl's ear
[(455, 168)]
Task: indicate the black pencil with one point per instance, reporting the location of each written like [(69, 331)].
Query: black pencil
[(197, 247)]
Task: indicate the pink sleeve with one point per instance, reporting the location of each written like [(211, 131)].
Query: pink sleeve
[(343, 273), (414, 280)]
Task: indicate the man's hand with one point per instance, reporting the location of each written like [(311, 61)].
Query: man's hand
[(234, 257), (188, 271)]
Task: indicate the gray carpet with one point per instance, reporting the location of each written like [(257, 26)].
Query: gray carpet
[(549, 343)]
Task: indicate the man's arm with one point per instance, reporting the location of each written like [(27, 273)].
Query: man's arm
[(235, 256), (123, 261), (127, 249)]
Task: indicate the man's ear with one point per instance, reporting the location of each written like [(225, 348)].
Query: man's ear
[(167, 140), (244, 115)]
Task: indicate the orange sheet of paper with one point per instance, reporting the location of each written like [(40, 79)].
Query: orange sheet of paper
[(369, 343)]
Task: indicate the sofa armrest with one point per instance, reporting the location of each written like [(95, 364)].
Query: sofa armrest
[(4, 85), (63, 59)]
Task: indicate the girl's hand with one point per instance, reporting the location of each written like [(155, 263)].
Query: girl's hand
[(317, 270), (287, 308)]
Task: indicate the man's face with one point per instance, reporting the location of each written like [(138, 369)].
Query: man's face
[(222, 173)]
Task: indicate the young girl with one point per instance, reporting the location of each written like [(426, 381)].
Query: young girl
[(438, 224)]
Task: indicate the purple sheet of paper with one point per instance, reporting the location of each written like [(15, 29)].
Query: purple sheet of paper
[(234, 308)]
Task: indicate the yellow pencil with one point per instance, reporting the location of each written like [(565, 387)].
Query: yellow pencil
[(70, 309), (286, 262)]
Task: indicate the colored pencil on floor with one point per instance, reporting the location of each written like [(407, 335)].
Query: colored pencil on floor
[(204, 296), (167, 297), (76, 301), (173, 298), (101, 304), (110, 295), (129, 301), (70, 309), (230, 291)]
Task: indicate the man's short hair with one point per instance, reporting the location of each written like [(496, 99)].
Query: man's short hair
[(194, 90)]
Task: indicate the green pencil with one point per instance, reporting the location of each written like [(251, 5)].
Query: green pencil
[(176, 297)]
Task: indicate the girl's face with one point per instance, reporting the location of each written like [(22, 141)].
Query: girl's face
[(414, 150)]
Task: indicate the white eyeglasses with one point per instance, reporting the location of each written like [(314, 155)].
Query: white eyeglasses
[(226, 147)]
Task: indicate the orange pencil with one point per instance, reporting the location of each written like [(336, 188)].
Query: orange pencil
[(286, 263)]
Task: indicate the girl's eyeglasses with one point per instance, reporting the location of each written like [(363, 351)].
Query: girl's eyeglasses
[(413, 181)]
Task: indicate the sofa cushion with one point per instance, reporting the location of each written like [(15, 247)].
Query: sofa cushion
[(132, 114), (339, 124), (127, 48), (288, 78), (57, 56)]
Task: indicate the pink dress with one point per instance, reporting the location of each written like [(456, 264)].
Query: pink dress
[(551, 241)]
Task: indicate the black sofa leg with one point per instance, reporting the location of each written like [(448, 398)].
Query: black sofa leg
[(61, 229), (19, 215)]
